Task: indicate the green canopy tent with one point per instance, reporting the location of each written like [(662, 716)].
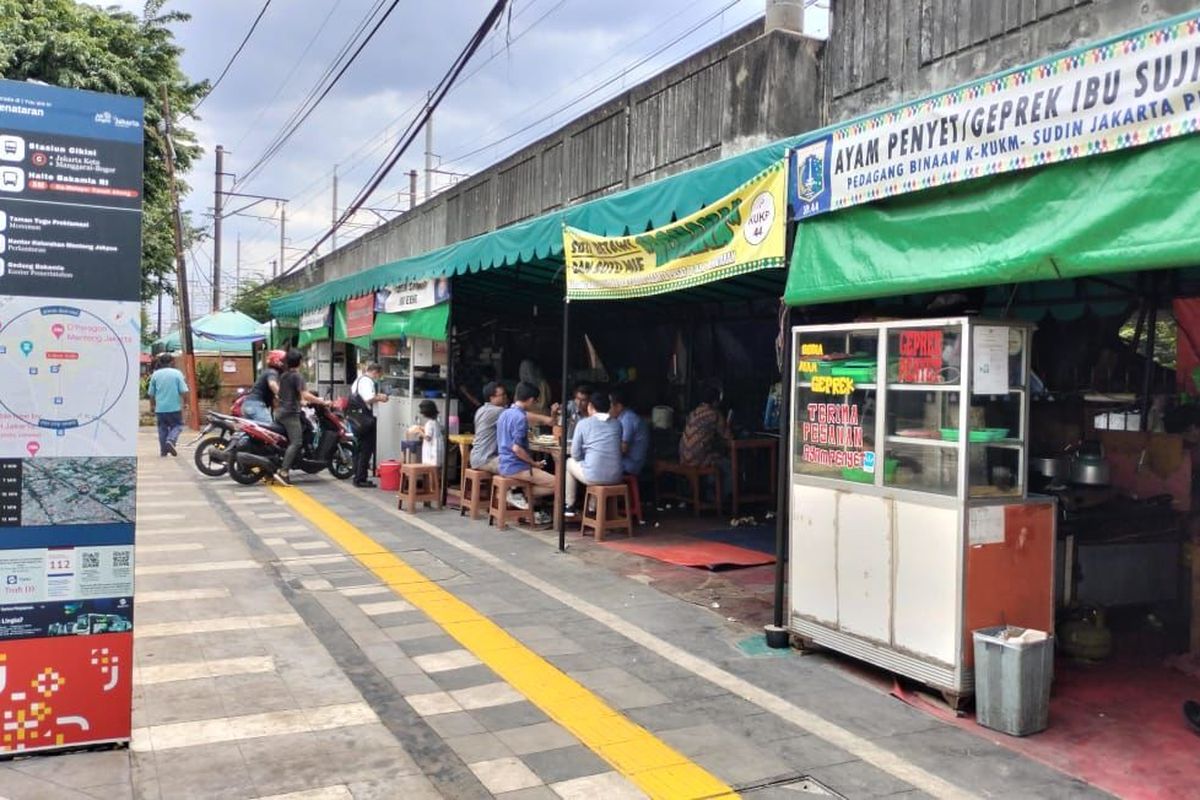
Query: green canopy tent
[(1128, 210)]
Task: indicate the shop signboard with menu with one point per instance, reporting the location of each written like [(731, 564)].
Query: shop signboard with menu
[(907, 496), (70, 279)]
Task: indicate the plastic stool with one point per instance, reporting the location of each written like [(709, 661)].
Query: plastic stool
[(476, 489), (419, 483), (500, 513), (610, 511)]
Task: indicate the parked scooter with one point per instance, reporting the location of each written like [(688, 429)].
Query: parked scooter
[(213, 441), (256, 452)]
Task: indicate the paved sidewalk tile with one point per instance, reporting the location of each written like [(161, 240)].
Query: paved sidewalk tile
[(270, 663)]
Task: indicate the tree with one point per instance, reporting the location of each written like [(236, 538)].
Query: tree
[(254, 299), (69, 44)]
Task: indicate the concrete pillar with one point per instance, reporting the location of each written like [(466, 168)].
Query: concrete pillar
[(785, 15), (773, 90)]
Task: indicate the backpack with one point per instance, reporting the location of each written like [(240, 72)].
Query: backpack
[(354, 406)]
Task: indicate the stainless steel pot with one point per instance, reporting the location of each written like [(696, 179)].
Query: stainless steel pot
[(1090, 471), (1055, 469)]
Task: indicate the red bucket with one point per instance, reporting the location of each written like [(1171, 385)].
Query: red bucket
[(389, 476)]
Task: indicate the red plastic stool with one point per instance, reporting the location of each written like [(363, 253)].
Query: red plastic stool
[(635, 499)]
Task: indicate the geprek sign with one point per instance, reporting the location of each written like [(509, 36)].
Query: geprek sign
[(1133, 90)]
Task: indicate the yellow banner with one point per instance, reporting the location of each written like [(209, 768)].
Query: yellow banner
[(742, 232)]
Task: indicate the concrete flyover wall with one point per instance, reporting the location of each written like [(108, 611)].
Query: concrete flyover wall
[(884, 52)]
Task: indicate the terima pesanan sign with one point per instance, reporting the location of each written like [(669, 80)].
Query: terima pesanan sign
[(1139, 88)]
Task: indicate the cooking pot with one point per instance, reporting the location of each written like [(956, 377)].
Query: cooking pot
[(1090, 470), (1055, 469)]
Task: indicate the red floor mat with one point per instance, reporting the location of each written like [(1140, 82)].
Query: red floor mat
[(1119, 727), (687, 552)]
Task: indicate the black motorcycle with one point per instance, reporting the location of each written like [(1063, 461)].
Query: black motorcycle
[(212, 443), (256, 452)]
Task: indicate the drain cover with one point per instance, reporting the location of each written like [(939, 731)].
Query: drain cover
[(804, 784)]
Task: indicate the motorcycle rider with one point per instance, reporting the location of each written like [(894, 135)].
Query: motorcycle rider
[(258, 403), (292, 392)]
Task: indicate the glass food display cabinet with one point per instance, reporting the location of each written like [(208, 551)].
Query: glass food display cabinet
[(910, 521), (412, 370)]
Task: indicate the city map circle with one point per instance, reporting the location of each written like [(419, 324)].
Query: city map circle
[(61, 367)]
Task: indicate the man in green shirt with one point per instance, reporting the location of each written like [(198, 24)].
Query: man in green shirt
[(167, 390)]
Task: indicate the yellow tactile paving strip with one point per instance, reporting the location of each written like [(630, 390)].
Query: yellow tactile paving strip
[(656, 768)]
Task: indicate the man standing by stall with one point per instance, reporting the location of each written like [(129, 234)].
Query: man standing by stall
[(364, 395)]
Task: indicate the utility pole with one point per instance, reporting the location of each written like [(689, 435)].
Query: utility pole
[(282, 229), (238, 273), (412, 189), (185, 314), (334, 217), (218, 204), (428, 149)]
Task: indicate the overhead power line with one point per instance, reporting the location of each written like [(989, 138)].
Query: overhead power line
[(264, 107), (311, 106), (372, 145), (414, 128), (233, 57), (590, 92), (329, 70)]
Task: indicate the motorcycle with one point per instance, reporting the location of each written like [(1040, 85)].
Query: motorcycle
[(256, 452), (211, 443)]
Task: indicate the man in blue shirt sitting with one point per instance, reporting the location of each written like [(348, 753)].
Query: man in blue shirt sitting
[(512, 441), (595, 451), (635, 434)]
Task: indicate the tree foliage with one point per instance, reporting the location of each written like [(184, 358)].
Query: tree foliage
[(253, 300), (78, 46)]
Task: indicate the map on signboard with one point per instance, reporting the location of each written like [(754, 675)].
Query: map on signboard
[(70, 375), (77, 491)]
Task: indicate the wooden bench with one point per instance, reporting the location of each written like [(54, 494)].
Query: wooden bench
[(693, 475)]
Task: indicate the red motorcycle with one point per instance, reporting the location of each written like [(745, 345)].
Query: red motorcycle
[(256, 452)]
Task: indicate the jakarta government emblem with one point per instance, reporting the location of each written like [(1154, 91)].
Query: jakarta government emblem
[(811, 178)]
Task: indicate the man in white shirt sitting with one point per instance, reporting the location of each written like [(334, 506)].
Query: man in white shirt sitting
[(364, 394)]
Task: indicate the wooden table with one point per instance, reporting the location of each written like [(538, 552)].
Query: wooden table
[(739, 449), (560, 463)]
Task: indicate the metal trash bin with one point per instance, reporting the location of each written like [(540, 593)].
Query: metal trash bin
[(1013, 670)]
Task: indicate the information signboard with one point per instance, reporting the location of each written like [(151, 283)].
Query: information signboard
[(70, 278)]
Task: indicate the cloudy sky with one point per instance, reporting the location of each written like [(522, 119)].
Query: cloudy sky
[(553, 54)]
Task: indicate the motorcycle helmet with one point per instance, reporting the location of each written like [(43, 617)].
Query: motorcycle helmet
[(275, 359)]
